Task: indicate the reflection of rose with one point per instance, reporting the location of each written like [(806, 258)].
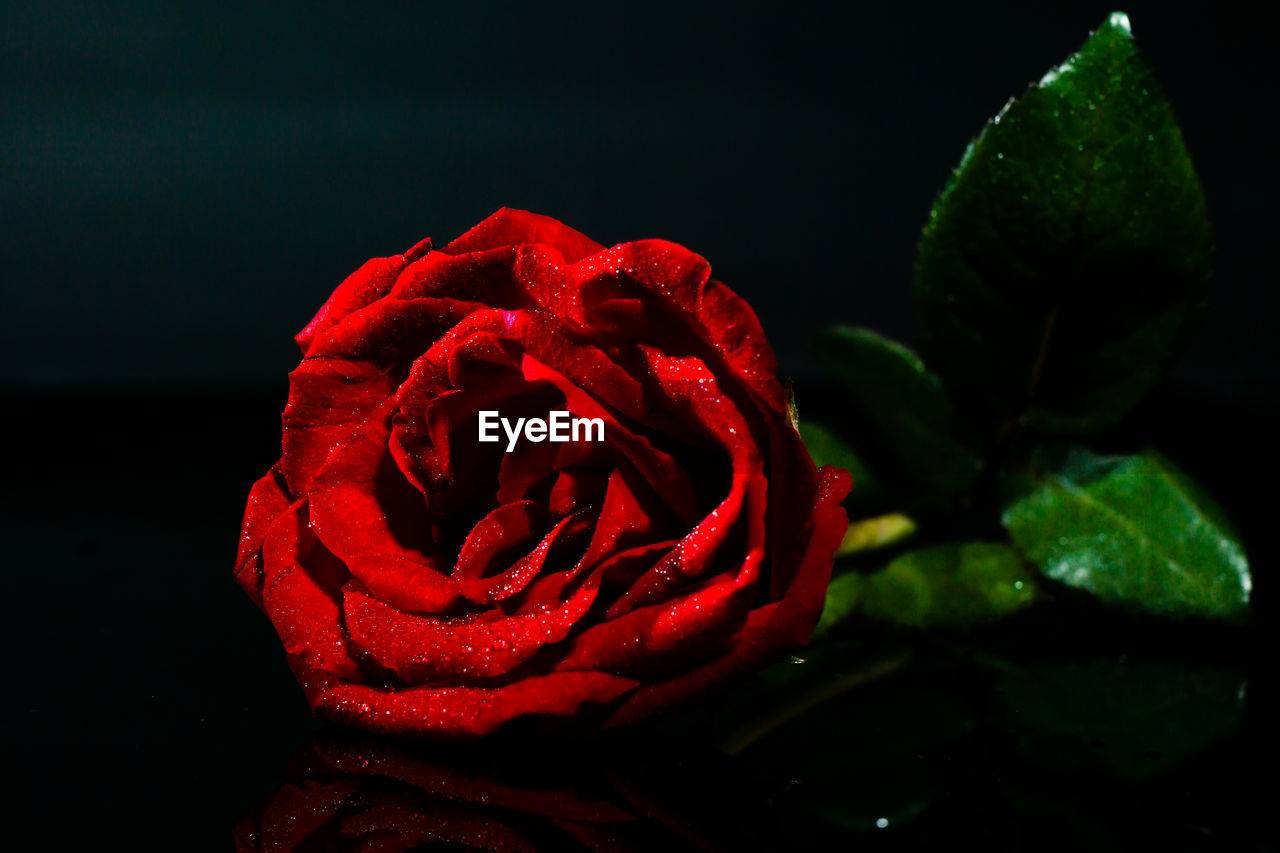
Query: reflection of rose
[(351, 791), (427, 583)]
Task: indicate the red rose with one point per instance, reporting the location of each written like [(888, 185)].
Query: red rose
[(425, 582)]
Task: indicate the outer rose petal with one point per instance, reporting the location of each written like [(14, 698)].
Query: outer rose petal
[(724, 319), (769, 629), (441, 650), (363, 287), (301, 603), (511, 227), (351, 368), (459, 712), (268, 500)]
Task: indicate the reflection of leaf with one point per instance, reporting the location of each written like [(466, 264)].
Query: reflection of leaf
[(1133, 531), (1134, 718), (1037, 815), (828, 448), (937, 587), (1069, 252), (791, 689), (865, 760), (905, 402)]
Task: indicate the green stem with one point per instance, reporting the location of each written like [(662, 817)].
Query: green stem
[(795, 704)]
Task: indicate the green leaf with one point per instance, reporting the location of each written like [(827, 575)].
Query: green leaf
[(938, 587), (1069, 252), (1132, 531), (1132, 717), (826, 447), (891, 385), (871, 534), (842, 601)]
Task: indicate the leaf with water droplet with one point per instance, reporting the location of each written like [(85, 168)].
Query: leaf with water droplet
[(937, 587), (1133, 531), (1069, 252)]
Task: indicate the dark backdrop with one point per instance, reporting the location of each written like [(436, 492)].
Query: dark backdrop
[(181, 187), (183, 184)]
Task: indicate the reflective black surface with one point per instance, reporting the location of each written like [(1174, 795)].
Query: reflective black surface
[(639, 792), (146, 694)]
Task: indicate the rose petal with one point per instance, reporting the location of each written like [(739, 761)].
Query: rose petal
[(352, 524), (771, 628), (460, 712), (635, 630), (657, 466), (575, 489), (268, 500), (623, 521), (369, 283), (484, 278), (372, 520), (302, 603), (351, 368), (509, 227), (549, 588), (659, 636), (519, 473), (489, 590), (794, 485), (726, 321), (425, 650), (500, 531)]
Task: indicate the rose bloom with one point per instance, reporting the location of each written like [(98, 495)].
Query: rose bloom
[(426, 583)]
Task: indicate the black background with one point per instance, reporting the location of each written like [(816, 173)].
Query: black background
[(181, 187)]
